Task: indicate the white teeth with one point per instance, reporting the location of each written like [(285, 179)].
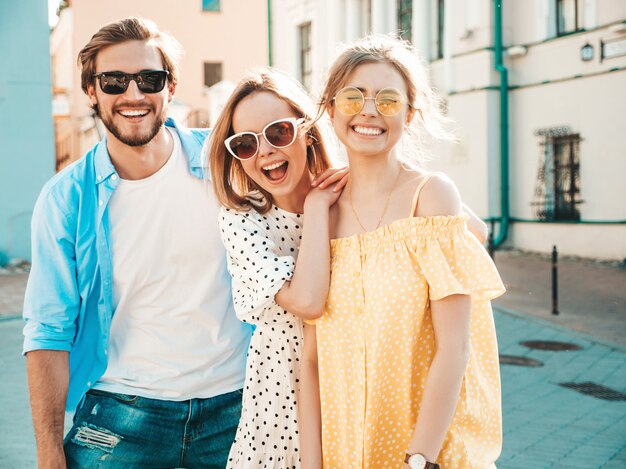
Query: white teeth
[(367, 130), (273, 166), (137, 113)]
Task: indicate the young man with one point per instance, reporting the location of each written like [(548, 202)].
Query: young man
[(128, 309)]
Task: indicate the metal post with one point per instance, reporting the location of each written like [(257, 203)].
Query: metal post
[(491, 248), (555, 283)]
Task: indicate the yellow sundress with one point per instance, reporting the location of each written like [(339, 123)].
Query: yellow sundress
[(376, 343)]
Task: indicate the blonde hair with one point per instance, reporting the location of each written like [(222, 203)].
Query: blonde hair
[(129, 29), (431, 124), (230, 182)]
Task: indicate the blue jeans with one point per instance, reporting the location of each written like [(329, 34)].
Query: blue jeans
[(122, 431)]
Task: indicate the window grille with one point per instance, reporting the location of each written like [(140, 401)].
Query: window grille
[(557, 190)]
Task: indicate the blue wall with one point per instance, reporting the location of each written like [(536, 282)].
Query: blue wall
[(26, 127)]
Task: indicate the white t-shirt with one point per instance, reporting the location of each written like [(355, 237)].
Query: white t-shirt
[(174, 334)]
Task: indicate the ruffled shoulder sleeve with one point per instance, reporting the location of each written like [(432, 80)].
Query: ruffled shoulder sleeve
[(453, 261), (258, 270)]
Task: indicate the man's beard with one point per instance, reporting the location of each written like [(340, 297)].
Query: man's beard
[(132, 140)]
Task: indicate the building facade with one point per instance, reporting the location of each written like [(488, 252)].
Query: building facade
[(221, 40), (26, 131), (563, 76)]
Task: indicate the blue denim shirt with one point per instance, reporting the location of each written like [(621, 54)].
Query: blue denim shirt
[(69, 297)]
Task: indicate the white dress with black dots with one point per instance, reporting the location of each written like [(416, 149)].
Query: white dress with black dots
[(262, 251)]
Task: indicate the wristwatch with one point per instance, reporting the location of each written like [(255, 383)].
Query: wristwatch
[(418, 461)]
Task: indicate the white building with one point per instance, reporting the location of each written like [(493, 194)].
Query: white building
[(566, 64)]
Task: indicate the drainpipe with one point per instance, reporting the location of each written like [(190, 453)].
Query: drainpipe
[(269, 32), (504, 126)]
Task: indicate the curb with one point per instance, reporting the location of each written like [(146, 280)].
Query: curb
[(10, 317), (559, 327)]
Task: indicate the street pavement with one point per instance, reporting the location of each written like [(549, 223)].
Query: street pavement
[(546, 425), (549, 426), (591, 294)]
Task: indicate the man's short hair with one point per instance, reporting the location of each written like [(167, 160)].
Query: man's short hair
[(129, 29)]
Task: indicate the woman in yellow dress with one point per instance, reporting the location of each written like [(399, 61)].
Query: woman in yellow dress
[(402, 368)]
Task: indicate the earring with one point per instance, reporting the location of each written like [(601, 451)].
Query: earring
[(312, 147)]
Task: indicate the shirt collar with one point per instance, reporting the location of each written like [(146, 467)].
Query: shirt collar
[(191, 142)]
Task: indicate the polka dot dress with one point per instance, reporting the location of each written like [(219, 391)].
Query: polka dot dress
[(376, 344), (261, 256)]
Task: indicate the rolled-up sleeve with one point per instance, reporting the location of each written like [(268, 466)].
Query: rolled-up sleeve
[(52, 301)]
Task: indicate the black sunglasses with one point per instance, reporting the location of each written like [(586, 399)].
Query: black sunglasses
[(148, 81)]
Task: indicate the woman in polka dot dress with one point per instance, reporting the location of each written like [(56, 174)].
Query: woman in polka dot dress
[(406, 353), (265, 152)]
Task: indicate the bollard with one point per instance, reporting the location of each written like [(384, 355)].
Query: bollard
[(555, 282), (490, 246)]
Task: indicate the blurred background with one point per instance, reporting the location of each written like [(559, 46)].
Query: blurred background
[(537, 89)]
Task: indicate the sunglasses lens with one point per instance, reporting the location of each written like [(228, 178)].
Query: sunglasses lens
[(280, 134), (244, 146), (389, 102), (151, 82), (349, 101), (147, 82), (115, 83)]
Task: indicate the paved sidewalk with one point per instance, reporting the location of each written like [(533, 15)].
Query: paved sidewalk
[(549, 426), (592, 295), (12, 287), (17, 446)]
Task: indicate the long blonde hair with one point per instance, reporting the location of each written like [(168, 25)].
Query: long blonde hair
[(431, 124), (230, 182)]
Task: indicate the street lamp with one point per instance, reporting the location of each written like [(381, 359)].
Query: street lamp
[(586, 52)]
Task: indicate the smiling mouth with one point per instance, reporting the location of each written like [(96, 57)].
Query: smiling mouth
[(369, 131), (134, 113), (275, 171)]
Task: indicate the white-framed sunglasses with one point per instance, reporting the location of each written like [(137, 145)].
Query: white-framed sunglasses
[(280, 134)]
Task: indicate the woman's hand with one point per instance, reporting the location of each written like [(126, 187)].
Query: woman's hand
[(327, 187), (337, 176), (322, 198)]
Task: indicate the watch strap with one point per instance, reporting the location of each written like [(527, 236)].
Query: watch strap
[(429, 465)]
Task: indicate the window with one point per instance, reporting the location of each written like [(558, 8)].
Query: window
[(405, 18), (440, 27), (557, 190), (305, 56), (567, 17), (211, 5), (197, 118), (212, 73)]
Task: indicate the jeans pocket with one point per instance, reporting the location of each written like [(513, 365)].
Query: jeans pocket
[(123, 398)]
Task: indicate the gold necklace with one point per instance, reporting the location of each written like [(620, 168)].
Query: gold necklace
[(386, 203)]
